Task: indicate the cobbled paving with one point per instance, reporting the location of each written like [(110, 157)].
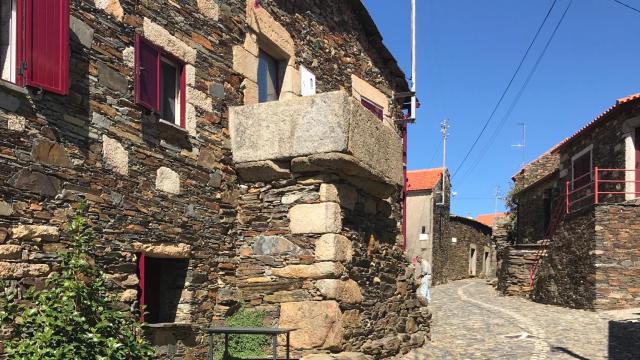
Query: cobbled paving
[(471, 321)]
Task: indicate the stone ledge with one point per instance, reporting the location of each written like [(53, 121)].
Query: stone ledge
[(163, 250), (321, 270)]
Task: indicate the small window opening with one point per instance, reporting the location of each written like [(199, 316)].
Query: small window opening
[(424, 229), (8, 38), (582, 170), (270, 75), (375, 109), (161, 284), (170, 91)]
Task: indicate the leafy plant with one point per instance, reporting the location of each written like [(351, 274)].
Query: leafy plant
[(74, 316), (244, 346)]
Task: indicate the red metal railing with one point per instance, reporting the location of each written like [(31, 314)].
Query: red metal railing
[(602, 183)]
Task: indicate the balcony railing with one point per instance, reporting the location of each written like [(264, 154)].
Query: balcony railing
[(604, 186)]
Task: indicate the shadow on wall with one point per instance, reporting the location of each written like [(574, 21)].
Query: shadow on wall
[(624, 339)]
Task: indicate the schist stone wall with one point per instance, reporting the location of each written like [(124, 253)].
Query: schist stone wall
[(470, 235), (301, 247), (441, 234), (514, 264)]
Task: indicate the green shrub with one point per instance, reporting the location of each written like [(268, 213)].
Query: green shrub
[(244, 346), (73, 317)]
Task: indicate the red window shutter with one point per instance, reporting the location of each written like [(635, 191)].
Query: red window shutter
[(47, 45), (183, 96), (147, 69), (141, 285)]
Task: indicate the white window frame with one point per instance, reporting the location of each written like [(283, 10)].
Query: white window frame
[(12, 50), (588, 149), (177, 115)]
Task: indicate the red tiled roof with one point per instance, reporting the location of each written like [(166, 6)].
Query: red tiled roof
[(490, 219), (595, 121), (423, 179)]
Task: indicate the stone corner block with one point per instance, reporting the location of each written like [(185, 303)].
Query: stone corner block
[(343, 291), (318, 324), (321, 270), (315, 218), (343, 194), (333, 247), (168, 180)]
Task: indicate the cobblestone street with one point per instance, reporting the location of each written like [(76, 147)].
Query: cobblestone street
[(471, 321)]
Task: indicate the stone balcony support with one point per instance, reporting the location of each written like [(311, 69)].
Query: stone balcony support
[(329, 132)]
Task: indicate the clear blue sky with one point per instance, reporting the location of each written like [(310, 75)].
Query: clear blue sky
[(468, 51)]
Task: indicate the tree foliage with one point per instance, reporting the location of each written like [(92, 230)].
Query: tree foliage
[(73, 316)]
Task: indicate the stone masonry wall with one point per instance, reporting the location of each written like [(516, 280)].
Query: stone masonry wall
[(441, 234), (153, 188), (316, 247), (514, 264), (617, 256), (567, 274), (468, 232)]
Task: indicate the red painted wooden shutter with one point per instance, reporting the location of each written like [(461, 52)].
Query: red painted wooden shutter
[(637, 146), (183, 96), (147, 68), (47, 45), (141, 285)]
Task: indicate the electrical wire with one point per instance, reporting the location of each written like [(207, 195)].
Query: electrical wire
[(504, 93), (627, 6), (504, 119)]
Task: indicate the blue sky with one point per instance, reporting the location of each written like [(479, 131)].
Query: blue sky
[(468, 51)]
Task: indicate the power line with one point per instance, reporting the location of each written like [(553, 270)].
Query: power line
[(495, 133), (627, 6), (504, 93)]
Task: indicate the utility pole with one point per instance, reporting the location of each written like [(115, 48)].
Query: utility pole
[(523, 142), (444, 130)]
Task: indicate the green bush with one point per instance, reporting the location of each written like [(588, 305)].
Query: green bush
[(73, 317), (244, 346)]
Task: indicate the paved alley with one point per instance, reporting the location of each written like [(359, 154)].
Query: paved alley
[(471, 321)]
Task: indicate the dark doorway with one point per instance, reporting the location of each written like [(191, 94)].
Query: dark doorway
[(161, 285)]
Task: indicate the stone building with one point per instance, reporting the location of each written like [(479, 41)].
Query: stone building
[(456, 247), (471, 253), (577, 207), (426, 212), (232, 152)]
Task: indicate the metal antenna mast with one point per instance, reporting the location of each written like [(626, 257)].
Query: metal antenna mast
[(523, 142), (444, 130)]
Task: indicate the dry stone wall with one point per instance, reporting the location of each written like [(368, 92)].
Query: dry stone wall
[(468, 233), (617, 256), (169, 193)]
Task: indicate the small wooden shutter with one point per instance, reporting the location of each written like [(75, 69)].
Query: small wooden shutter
[(147, 69), (183, 96), (47, 45), (581, 169)]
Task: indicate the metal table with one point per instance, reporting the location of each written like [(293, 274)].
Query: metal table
[(226, 331)]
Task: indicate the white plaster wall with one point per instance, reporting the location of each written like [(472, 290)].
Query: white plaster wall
[(419, 214)]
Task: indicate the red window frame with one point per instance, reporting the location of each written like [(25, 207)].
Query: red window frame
[(155, 103), (42, 45), (375, 109)]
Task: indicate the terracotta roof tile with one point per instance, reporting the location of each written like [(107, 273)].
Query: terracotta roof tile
[(599, 118), (490, 219), (423, 179)]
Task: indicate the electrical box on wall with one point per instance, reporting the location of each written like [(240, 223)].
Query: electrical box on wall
[(454, 240), (424, 237), (307, 82)]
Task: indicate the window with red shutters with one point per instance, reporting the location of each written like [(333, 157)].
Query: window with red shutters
[(373, 107), (582, 170), (147, 68), (160, 82), (38, 44)]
